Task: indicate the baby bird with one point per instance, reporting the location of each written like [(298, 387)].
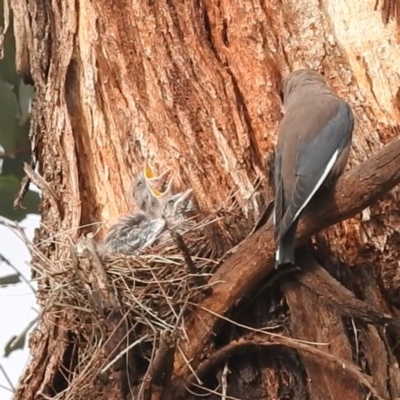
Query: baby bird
[(150, 192), (177, 213), (157, 200), (140, 229), (132, 233)]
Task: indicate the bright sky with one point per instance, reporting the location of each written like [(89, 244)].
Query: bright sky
[(17, 302)]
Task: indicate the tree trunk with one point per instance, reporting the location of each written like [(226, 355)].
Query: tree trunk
[(194, 85)]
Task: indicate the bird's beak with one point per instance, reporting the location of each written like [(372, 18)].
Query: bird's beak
[(185, 196), (163, 182), (158, 184), (147, 171)]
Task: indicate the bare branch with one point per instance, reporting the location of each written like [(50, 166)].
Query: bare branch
[(254, 341), (318, 280)]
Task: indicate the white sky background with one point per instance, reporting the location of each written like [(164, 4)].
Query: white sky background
[(17, 302)]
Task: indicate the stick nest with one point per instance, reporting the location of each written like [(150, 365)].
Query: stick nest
[(122, 309)]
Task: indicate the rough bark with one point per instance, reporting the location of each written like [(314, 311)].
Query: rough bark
[(194, 85)]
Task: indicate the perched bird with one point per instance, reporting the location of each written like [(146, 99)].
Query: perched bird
[(132, 233), (177, 213), (314, 142)]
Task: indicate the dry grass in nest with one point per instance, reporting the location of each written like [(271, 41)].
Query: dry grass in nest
[(119, 310)]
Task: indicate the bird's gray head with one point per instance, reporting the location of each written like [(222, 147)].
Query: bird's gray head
[(150, 192), (161, 183), (157, 199), (141, 192), (302, 79), (179, 207)]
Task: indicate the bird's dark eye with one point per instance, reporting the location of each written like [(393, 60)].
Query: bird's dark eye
[(140, 183), (171, 202), (154, 204)]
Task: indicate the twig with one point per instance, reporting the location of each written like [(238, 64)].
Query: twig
[(210, 391), (131, 346), (6, 388), (189, 366), (7, 378), (264, 332), (23, 333), (15, 269), (161, 368), (224, 381), (185, 252), (163, 363), (43, 186), (200, 280)]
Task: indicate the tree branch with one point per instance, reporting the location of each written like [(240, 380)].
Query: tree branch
[(256, 341), (321, 283), (253, 260)]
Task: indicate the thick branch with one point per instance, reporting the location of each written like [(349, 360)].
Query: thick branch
[(318, 280), (254, 258)]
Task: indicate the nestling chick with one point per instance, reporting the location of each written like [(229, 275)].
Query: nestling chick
[(150, 192), (157, 200), (160, 183), (177, 213), (132, 233)]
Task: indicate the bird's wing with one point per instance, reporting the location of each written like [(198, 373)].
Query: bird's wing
[(125, 235), (150, 231), (278, 204), (315, 161)]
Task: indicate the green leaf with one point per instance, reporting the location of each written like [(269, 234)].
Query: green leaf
[(8, 71), (9, 280), (9, 118), (9, 187), (18, 342), (25, 96)]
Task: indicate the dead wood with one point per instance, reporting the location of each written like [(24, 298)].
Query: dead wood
[(330, 291), (253, 259), (254, 341)]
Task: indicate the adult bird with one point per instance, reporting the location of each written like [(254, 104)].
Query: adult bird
[(313, 146)]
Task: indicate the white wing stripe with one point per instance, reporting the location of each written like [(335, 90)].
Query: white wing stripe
[(328, 169)]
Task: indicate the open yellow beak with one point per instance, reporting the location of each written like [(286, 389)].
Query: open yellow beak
[(158, 185)]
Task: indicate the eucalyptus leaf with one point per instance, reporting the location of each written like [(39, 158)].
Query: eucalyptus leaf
[(25, 96), (18, 342), (9, 187), (8, 71), (9, 280), (15, 166), (9, 118)]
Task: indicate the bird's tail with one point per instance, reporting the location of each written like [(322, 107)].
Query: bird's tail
[(285, 250)]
